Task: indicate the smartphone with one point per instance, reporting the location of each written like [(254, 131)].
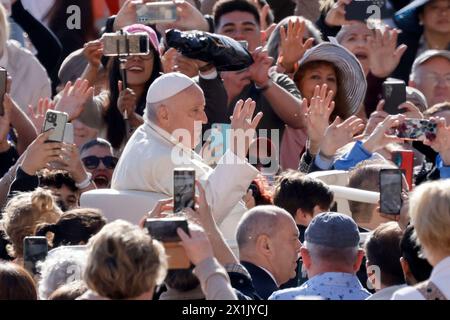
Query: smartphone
[(183, 189), (124, 44), (3, 78), (34, 249), (394, 94), (405, 161), (165, 229), (390, 191), (156, 12), (68, 134), (55, 120), (417, 129), (362, 10)]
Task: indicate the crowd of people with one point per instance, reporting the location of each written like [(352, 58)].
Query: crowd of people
[(266, 224)]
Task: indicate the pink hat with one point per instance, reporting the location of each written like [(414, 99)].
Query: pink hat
[(142, 28)]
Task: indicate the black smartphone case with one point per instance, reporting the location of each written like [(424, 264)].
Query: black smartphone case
[(394, 94)]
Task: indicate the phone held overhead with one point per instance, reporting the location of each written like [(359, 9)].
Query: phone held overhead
[(156, 12)]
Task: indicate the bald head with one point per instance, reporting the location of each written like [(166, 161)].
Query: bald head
[(261, 220)]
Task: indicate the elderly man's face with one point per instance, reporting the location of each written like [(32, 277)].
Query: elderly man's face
[(355, 39), (433, 79), (287, 249), (186, 111), (241, 26), (436, 16)]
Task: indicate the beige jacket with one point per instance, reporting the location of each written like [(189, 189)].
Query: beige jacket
[(30, 81), (151, 155)]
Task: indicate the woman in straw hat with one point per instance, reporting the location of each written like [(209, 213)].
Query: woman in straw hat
[(335, 66)]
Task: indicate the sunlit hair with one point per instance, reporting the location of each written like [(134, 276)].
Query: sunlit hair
[(429, 208), (124, 262), (24, 213)]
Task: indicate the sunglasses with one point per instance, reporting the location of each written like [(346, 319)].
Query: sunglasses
[(92, 162)]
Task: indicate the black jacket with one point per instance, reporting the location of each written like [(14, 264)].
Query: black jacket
[(262, 281)]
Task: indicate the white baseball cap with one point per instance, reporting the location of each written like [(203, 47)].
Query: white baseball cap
[(168, 85)]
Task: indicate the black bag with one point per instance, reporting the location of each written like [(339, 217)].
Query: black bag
[(224, 53)]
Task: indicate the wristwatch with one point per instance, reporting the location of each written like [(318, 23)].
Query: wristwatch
[(85, 183)]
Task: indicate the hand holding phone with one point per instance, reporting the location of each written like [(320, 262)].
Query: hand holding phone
[(165, 230), (391, 191), (35, 249)]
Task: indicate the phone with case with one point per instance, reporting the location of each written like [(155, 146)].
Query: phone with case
[(57, 121), (417, 129)]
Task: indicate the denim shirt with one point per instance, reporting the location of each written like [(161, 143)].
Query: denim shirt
[(328, 286), (444, 171)]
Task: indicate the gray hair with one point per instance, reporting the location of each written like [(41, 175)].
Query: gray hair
[(258, 221), (150, 112), (319, 253), (63, 265)]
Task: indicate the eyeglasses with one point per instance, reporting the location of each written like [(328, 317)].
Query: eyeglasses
[(92, 162), (435, 79)]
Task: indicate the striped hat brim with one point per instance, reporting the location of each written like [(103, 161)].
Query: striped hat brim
[(352, 80)]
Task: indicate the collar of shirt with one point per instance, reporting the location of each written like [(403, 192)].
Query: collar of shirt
[(339, 279), (441, 269), (171, 139)]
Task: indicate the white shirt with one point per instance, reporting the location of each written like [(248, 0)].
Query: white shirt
[(386, 293), (30, 81), (147, 164), (440, 276), (39, 9)]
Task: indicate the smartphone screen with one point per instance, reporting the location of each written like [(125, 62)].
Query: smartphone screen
[(3, 78), (165, 229), (156, 12), (34, 249), (417, 129), (57, 121), (362, 10), (390, 191), (394, 94), (183, 189)]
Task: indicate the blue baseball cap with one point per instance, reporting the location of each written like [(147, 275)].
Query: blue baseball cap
[(332, 229)]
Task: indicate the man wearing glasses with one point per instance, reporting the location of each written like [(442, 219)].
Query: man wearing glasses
[(97, 157), (431, 75)]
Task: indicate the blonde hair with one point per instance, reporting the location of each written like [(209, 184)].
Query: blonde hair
[(24, 213), (429, 208), (4, 28), (124, 262)]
